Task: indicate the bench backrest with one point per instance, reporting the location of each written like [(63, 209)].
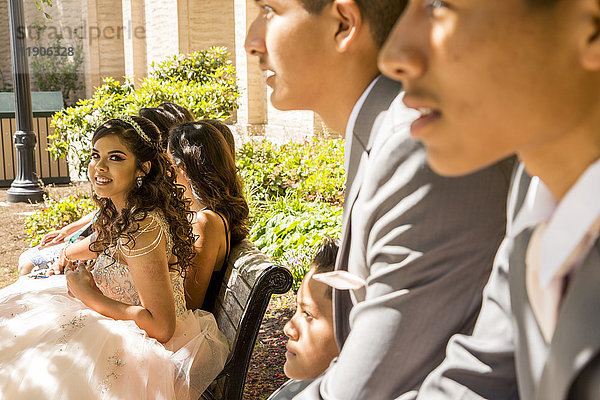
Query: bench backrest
[(238, 299)]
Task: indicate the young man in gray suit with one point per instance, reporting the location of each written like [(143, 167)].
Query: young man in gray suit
[(503, 77), (416, 248)]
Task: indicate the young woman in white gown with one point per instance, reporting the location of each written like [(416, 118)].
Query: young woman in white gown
[(120, 330)]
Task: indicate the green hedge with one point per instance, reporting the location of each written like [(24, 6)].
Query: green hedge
[(289, 230), (295, 193), (56, 214), (311, 171), (204, 82)]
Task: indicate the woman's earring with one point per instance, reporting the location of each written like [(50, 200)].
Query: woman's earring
[(139, 180)]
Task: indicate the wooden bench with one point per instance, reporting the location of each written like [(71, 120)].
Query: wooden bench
[(238, 299)]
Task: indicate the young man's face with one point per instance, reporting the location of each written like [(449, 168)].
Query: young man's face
[(311, 345), (490, 77), (289, 42)]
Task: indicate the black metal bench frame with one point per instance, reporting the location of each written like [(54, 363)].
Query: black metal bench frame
[(273, 280)]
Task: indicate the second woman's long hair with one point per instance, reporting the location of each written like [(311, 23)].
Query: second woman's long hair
[(205, 156)]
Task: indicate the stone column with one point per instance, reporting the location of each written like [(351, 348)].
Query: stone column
[(134, 19), (208, 23), (162, 29), (105, 38), (252, 114)]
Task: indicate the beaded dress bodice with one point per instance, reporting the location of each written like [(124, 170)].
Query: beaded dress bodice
[(114, 279)]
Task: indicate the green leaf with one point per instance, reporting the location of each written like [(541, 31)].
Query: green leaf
[(203, 82)]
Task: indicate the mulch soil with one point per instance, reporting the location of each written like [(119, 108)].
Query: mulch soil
[(265, 373)]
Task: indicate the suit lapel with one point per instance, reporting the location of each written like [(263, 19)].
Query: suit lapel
[(368, 122), (531, 351), (546, 372), (576, 340), (342, 302), (349, 199)]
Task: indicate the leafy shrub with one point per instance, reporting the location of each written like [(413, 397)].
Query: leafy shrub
[(56, 214), (295, 193), (313, 170), (289, 230), (193, 67), (204, 82), (39, 3)]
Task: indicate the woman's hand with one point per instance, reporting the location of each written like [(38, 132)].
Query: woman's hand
[(59, 265), (80, 282), (54, 237)]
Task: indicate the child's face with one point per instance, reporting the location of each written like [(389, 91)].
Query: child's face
[(311, 345)]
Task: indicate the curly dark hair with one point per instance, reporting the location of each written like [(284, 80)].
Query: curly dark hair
[(158, 192), (205, 156)]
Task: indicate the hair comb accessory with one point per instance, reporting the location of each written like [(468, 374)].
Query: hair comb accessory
[(128, 120)]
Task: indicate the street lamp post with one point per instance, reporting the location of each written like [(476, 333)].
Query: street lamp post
[(26, 186)]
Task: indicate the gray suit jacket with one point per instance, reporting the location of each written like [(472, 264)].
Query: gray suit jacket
[(424, 245), (507, 357)]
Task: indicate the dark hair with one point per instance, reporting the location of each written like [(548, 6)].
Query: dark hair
[(165, 116), (200, 149), (157, 192), (381, 15), (324, 260), (225, 131)]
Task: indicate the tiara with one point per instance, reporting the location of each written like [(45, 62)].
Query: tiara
[(128, 120)]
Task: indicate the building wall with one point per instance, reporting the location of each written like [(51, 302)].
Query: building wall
[(105, 44), (5, 63), (162, 27), (206, 23), (252, 113)]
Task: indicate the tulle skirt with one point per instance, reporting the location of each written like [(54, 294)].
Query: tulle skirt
[(54, 347)]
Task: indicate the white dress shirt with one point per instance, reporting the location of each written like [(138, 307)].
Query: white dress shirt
[(565, 233)]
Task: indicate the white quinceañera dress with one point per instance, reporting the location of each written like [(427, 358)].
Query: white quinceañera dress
[(52, 346)]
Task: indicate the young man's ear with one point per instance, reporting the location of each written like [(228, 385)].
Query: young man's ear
[(350, 23), (590, 54)]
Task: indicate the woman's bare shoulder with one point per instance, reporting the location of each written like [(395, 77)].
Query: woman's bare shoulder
[(208, 224)]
